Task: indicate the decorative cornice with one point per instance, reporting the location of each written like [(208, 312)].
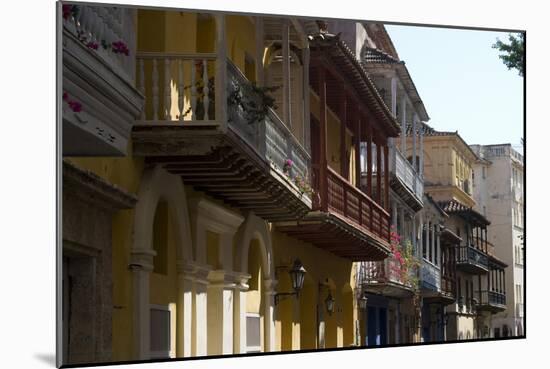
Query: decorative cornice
[(94, 190)]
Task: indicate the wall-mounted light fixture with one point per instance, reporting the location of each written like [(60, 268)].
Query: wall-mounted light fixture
[(362, 301), (329, 304), (297, 275)]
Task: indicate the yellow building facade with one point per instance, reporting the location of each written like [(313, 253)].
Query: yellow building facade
[(191, 274)]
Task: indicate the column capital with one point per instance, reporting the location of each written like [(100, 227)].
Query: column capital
[(142, 259)]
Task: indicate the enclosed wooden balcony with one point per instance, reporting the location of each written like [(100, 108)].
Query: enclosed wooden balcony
[(347, 219), (472, 260), (492, 301), (219, 148), (385, 278), (100, 100), (405, 180)]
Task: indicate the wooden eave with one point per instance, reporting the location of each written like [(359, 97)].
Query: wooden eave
[(331, 233), (222, 165), (334, 55)]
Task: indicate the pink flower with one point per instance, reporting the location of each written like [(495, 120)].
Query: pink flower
[(75, 106), (65, 96), (92, 45)]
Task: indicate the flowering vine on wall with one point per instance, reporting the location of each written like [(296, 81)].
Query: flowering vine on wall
[(298, 180), (407, 263), (117, 47), (73, 104)]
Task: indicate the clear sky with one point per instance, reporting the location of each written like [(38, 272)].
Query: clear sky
[(463, 83)]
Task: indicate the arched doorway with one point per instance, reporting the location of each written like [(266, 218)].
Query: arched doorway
[(255, 310), (162, 242)]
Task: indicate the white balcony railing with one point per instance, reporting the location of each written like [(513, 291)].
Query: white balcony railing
[(430, 276), (404, 170), (99, 27)]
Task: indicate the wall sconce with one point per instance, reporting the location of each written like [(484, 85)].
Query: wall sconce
[(362, 301), (445, 319), (297, 275), (329, 304)]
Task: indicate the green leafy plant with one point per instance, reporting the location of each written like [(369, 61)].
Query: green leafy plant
[(254, 100), (513, 52)]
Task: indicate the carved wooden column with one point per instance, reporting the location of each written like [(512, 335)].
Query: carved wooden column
[(286, 74), (378, 172), (369, 159), (343, 120), (386, 179), (323, 139)]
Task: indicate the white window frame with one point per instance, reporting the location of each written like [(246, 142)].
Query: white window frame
[(251, 349), (164, 353)]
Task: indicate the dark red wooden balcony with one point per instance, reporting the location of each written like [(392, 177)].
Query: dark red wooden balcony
[(346, 220)]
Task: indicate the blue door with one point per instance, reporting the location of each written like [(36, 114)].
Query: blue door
[(382, 326), (371, 326)]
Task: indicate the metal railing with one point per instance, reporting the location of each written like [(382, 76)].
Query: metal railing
[(404, 170), (471, 255), (492, 298)]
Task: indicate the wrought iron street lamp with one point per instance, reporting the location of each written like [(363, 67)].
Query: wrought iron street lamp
[(297, 275), (363, 301)]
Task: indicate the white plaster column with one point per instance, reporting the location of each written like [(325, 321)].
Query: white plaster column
[(221, 71), (438, 245), (269, 314), (428, 240), (432, 245), (285, 29), (394, 214), (414, 133), (220, 312), (184, 314), (141, 266), (307, 132), (402, 217), (404, 124), (421, 133), (393, 88), (259, 51), (199, 326), (239, 313)]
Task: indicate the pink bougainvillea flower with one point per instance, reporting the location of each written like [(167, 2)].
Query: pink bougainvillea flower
[(75, 106), (65, 96), (66, 11), (92, 45)]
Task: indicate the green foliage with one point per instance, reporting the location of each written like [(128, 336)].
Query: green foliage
[(254, 100), (513, 52)]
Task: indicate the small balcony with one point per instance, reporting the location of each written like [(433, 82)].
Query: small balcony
[(100, 101), (345, 221), (492, 301), (430, 277), (384, 277), (235, 159), (405, 180), (472, 260)]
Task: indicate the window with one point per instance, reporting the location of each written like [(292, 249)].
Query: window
[(253, 341), (160, 344)]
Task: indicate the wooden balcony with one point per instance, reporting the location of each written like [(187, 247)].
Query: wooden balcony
[(234, 159), (405, 180), (430, 277), (384, 277), (472, 260), (491, 301), (344, 221), (100, 101)]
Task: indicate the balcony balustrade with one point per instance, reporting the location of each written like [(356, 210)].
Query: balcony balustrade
[(100, 101), (405, 180), (492, 301), (386, 277), (239, 160), (430, 276), (472, 260)]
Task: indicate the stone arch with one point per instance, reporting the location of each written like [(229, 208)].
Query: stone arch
[(255, 231), (254, 228), (156, 185)]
